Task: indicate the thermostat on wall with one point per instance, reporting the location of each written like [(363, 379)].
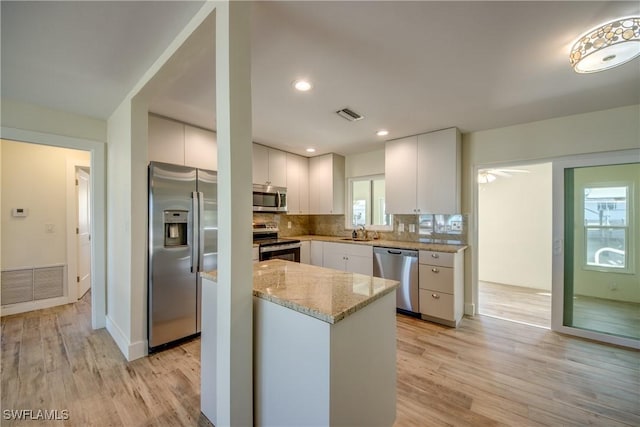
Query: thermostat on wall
[(20, 212)]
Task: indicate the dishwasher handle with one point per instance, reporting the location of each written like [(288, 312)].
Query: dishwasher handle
[(395, 252)]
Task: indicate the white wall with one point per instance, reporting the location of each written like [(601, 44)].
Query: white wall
[(600, 131), (34, 177), (514, 228), (20, 115), (364, 164), (119, 226)]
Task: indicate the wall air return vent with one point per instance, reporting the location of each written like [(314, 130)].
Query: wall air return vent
[(350, 115)]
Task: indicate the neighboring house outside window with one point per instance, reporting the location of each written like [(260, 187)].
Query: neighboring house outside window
[(607, 227)]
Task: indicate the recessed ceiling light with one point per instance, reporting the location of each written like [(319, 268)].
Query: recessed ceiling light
[(302, 85), (311, 150), (382, 132)]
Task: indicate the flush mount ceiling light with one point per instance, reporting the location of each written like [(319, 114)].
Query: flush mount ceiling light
[(382, 132), (311, 150), (302, 85), (607, 46)]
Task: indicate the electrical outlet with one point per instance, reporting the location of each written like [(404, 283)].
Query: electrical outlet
[(289, 224), (401, 227), (49, 228), (613, 286), (412, 228)]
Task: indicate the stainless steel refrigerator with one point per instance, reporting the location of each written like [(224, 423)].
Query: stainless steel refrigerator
[(183, 241)]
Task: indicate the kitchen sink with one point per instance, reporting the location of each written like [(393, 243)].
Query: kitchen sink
[(356, 239)]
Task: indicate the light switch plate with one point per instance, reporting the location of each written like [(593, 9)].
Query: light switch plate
[(401, 227), (412, 228)]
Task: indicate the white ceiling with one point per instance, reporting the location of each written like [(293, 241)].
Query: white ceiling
[(409, 67)]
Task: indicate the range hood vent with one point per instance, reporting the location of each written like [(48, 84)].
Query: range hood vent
[(350, 115)]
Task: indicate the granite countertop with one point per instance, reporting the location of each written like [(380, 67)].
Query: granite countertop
[(437, 247), (326, 294)]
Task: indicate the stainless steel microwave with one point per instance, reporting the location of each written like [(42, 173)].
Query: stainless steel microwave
[(268, 198)]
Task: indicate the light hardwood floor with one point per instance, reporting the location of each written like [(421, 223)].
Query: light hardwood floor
[(526, 305), (487, 372), (533, 306)]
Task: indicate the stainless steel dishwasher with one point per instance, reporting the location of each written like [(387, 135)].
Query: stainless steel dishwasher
[(400, 265)]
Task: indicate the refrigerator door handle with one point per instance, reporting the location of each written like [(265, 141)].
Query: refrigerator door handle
[(200, 231), (195, 234)]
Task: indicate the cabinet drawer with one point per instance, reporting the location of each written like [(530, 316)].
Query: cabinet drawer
[(436, 304), (436, 278), (436, 258)]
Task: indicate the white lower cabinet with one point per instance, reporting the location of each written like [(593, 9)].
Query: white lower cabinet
[(315, 253), (442, 286), (305, 252), (255, 254), (349, 257)]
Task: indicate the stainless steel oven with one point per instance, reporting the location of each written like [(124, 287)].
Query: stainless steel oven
[(288, 250), (272, 247)]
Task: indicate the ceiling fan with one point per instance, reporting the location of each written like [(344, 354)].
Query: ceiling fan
[(487, 176)]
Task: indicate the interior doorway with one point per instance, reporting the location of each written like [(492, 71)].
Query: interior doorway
[(514, 243), (97, 152), (83, 230)]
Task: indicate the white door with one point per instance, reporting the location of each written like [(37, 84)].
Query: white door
[(83, 230)]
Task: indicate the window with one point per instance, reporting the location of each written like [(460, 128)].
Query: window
[(606, 227), (367, 203), (441, 224)]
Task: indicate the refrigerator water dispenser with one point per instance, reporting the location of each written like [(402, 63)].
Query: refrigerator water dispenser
[(175, 228)]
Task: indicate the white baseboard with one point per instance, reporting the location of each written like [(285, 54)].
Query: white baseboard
[(23, 307), (131, 351), (118, 336), (470, 309), (137, 350)]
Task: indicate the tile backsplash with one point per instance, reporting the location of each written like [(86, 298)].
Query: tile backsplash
[(445, 228)]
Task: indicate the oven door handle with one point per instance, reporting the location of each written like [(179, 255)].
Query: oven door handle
[(276, 248)]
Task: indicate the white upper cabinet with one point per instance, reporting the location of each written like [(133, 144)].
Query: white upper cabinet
[(400, 175), (200, 148), (297, 184), (260, 164), (165, 140), (439, 171), (174, 142), (326, 184), (269, 166), (422, 173)]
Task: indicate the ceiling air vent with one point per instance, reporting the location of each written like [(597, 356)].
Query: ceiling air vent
[(350, 115)]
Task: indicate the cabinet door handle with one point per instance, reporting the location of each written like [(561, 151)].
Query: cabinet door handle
[(435, 256), (435, 270), (435, 296)]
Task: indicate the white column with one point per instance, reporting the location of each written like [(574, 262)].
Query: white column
[(234, 382)]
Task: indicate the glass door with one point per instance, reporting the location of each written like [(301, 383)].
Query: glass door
[(600, 253)]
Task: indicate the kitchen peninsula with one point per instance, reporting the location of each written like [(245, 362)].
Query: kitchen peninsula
[(324, 346)]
